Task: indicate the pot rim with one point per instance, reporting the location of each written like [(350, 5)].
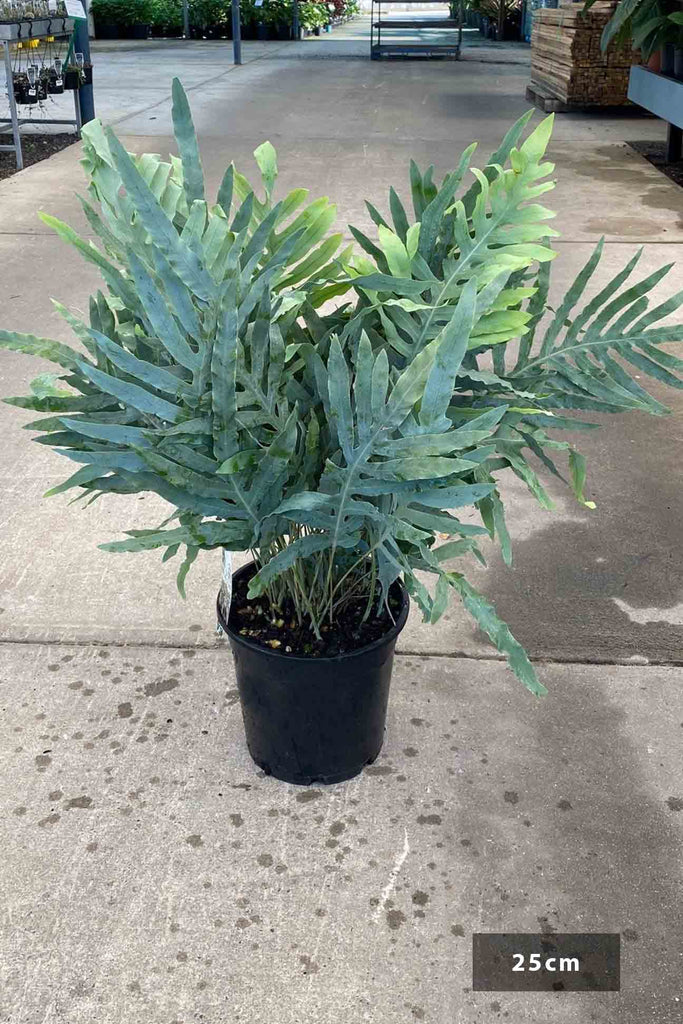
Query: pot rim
[(390, 635)]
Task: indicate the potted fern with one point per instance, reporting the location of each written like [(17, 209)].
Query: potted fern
[(332, 411)]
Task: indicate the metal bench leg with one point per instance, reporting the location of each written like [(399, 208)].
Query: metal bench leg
[(13, 108), (674, 144)]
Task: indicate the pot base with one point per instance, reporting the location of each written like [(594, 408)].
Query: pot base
[(313, 780)]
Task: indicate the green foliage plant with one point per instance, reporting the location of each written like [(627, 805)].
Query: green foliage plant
[(210, 14), (647, 24), (28, 10), (497, 11), (166, 16), (123, 12), (335, 411), (313, 15)]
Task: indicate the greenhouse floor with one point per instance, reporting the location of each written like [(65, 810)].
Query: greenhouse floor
[(150, 874)]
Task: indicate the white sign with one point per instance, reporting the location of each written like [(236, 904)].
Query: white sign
[(74, 9)]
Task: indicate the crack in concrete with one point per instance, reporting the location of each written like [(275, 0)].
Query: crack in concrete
[(633, 661)]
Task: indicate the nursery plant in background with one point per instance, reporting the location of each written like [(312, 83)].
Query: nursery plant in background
[(212, 19), (209, 18), (652, 25), (123, 18), (12, 11), (500, 19), (337, 444), (167, 18)]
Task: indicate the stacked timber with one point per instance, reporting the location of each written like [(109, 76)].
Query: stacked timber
[(567, 63)]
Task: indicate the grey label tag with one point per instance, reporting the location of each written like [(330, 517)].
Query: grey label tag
[(562, 962)]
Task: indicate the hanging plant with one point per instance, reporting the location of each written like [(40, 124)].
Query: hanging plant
[(13, 11), (55, 79)]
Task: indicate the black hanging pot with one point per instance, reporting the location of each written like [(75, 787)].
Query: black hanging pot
[(314, 720), (71, 81), (55, 85), (20, 88), (26, 93)]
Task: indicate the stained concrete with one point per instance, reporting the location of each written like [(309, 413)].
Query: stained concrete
[(150, 874)]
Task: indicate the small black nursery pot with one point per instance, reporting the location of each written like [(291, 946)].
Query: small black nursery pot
[(316, 719), (55, 84)]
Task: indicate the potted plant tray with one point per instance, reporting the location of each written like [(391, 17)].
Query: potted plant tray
[(23, 30)]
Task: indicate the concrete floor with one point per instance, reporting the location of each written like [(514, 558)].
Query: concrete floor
[(149, 874)]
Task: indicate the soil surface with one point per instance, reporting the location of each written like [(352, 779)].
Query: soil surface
[(655, 153), (34, 148), (278, 629)]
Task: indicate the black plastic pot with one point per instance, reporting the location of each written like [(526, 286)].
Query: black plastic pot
[(107, 30), (71, 81), (21, 91), (135, 31), (168, 31), (206, 32), (314, 720), (281, 31), (25, 93)]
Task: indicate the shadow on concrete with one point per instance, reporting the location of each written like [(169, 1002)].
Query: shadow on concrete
[(566, 791), (573, 595)]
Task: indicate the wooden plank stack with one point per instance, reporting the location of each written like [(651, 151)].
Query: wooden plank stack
[(567, 64)]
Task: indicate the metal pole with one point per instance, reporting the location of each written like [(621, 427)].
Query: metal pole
[(295, 19), (78, 111), (82, 45), (13, 108), (236, 32), (186, 19)]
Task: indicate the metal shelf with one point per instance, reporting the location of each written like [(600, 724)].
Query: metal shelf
[(395, 50), (18, 32), (663, 96), (418, 23)]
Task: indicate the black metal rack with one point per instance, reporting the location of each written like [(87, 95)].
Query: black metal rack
[(398, 49)]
